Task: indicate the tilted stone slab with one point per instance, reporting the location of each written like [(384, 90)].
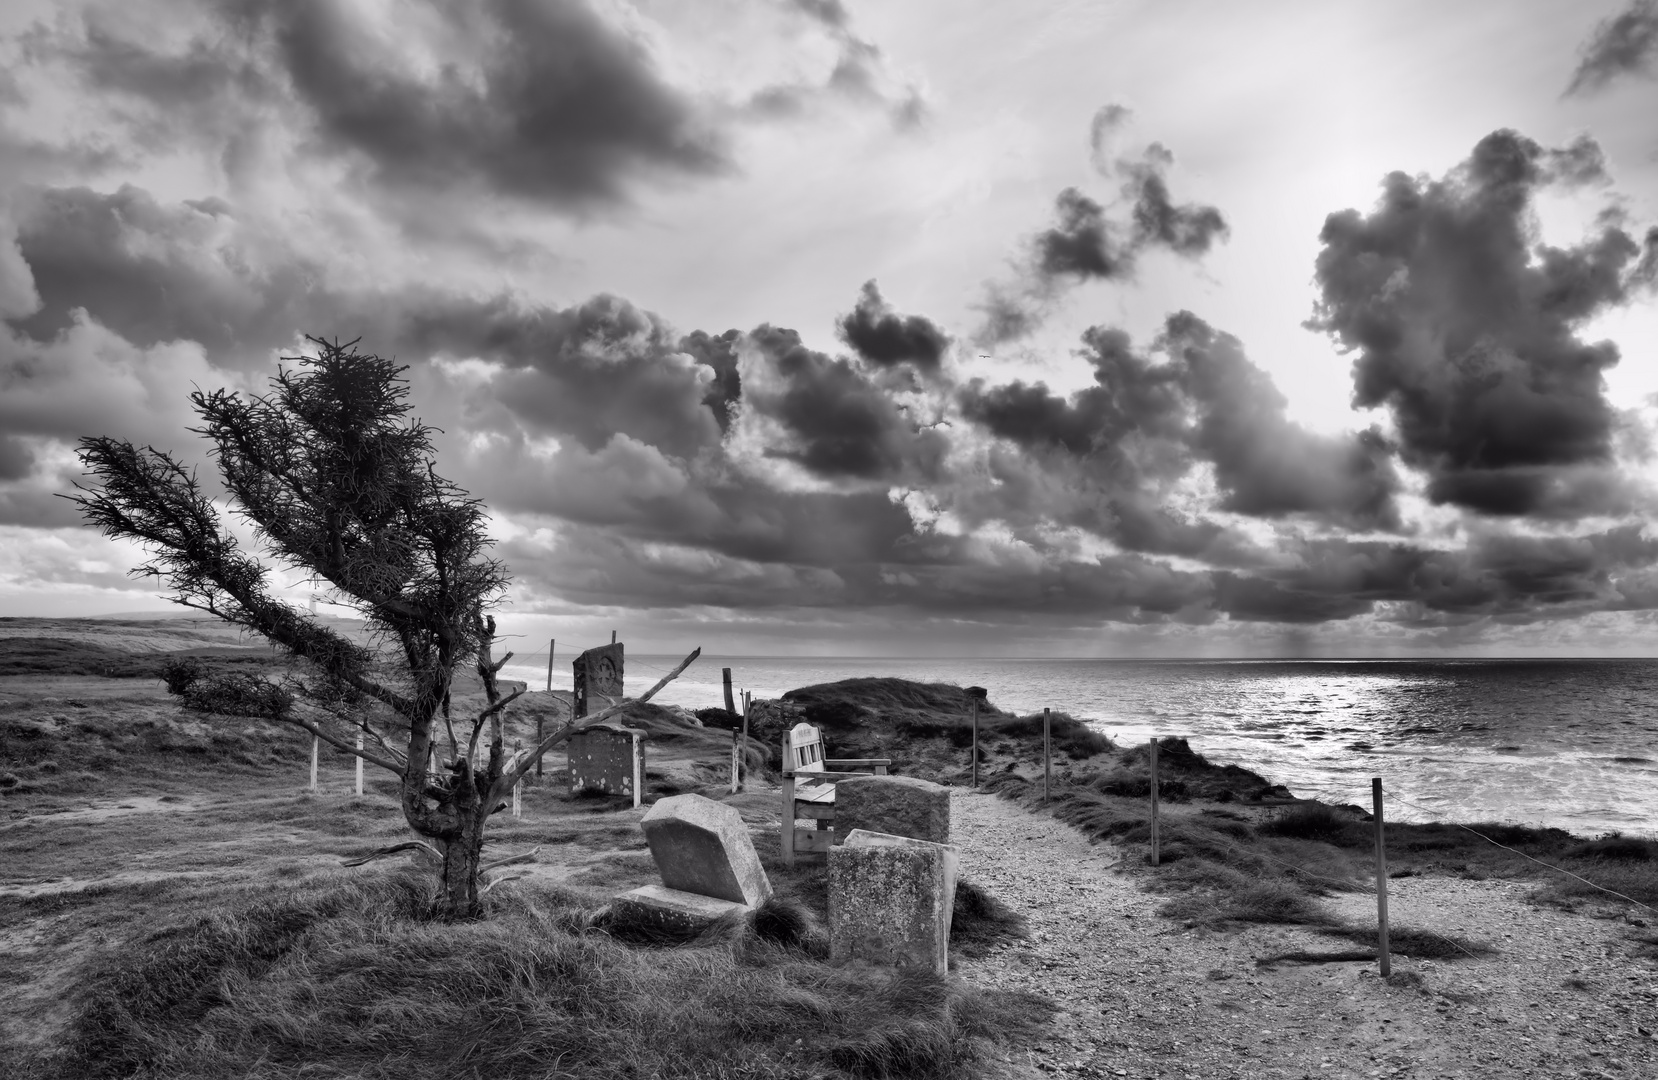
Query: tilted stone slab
[(895, 805), (703, 847), (671, 910), (890, 899)]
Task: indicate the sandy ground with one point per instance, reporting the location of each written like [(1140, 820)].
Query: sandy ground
[(1141, 997)]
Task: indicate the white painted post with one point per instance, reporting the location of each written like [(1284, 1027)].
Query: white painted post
[(1047, 752), (1156, 853), (734, 752), (359, 765), (748, 703), (638, 771), (314, 744), (518, 788), (1381, 877)]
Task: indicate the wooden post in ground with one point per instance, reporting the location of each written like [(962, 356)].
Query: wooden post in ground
[(315, 742), (359, 764), (638, 771), (977, 694), (748, 705), (1047, 751), (551, 644), (613, 637), (725, 677), (1156, 850), (734, 753), (1381, 877), (518, 788)]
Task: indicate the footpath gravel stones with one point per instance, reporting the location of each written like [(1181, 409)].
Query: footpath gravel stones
[(1139, 996)]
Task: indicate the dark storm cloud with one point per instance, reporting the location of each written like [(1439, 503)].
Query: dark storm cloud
[(886, 339), (1467, 330), (718, 354), (1146, 423), (153, 272), (544, 101), (843, 425), (1086, 243), (16, 459), (1626, 44)]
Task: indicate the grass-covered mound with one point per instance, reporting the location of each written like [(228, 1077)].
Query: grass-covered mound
[(927, 729), (347, 975)]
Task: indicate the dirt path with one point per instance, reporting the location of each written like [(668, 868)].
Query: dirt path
[(1141, 997)]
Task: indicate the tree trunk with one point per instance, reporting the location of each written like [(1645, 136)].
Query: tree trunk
[(462, 856)]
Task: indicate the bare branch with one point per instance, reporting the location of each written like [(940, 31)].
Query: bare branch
[(528, 856), (407, 845), (372, 759)]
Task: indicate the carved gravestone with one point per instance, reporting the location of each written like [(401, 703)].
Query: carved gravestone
[(598, 679), (607, 758), (708, 865), (890, 901)]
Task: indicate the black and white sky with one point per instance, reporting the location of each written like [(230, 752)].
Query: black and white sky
[(1183, 327)]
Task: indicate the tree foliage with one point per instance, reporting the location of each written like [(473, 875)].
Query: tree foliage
[(337, 481)]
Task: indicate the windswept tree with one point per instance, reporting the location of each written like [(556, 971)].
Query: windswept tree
[(337, 481)]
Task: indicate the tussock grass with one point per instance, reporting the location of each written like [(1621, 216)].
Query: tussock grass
[(349, 976)]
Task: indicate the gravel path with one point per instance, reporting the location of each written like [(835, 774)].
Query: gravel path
[(1142, 997)]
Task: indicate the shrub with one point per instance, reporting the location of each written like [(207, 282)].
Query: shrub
[(1308, 821), (179, 672), (1616, 846)]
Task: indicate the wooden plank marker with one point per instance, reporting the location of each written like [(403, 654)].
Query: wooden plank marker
[(1381, 878), (518, 788), (552, 643), (359, 765), (314, 745), (734, 758), (1156, 849), (725, 677)]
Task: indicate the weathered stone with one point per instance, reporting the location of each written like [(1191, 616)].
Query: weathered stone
[(895, 805), (602, 758), (598, 679), (890, 899), (703, 847), (661, 908)]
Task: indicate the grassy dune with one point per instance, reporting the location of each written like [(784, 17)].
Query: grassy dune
[(172, 904)]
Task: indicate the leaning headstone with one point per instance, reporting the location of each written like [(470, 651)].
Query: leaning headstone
[(896, 805), (708, 865), (598, 674), (607, 758), (890, 899)]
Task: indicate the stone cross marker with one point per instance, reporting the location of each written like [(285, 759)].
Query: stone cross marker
[(598, 676), (890, 901), (707, 861)]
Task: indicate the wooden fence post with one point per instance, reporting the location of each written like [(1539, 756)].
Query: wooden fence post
[(977, 694), (1047, 750), (734, 753), (314, 744), (748, 707), (551, 644), (1381, 877), (725, 677), (359, 765), (1156, 851)]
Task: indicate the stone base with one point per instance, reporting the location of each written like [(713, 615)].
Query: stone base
[(890, 901), (672, 911)]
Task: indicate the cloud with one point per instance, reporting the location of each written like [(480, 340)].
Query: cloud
[(1087, 243), (1145, 425), (1626, 44), (837, 422), (1467, 330), (886, 339)]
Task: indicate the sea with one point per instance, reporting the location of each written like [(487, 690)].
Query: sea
[(1568, 743)]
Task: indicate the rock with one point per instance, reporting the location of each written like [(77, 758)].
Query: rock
[(671, 910), (890, 899), (894, 805), (703, 847)]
